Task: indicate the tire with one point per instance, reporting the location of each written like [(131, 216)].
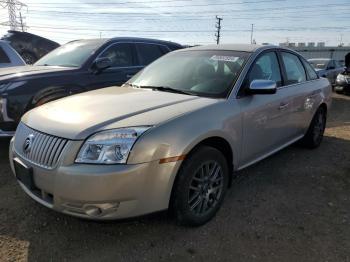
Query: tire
[(314, 134), (199, 191)]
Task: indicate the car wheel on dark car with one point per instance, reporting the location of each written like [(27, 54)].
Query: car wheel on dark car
[(200, 187), (314, 134)]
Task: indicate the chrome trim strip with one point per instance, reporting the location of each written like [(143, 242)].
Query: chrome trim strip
[(7, 133), (4, 111)]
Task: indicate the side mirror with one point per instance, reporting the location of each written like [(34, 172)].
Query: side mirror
[(262, 87), (101, 64)]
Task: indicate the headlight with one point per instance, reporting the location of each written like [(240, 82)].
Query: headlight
[(110, 147), (341, 77)]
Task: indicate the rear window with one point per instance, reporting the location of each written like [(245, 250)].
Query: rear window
[(4, 59)]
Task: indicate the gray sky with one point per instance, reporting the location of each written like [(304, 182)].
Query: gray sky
[(189, 21)]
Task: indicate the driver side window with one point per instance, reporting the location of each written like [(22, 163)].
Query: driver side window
[(266, 67), (120, 55)]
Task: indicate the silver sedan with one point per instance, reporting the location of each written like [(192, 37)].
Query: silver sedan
[(172, 136)]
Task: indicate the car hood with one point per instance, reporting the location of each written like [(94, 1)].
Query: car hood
[(79, 116), (11, 73)]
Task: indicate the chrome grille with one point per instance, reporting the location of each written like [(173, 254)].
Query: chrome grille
[(45, 150)]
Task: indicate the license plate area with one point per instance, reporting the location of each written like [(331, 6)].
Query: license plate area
[(24, 174)]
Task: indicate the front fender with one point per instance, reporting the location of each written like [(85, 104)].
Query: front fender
[(179, 136)]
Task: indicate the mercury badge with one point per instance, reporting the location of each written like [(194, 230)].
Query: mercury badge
[(27, 146)]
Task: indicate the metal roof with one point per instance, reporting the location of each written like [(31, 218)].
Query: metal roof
[(131, 39), (232, 47)]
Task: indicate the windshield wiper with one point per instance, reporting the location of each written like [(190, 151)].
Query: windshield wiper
[(168, 89)]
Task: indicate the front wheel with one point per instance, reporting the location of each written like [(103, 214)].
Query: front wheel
[(200, 187), (314, 134)]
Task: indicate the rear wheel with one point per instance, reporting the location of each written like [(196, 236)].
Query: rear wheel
[(200, 186), (314, 134)]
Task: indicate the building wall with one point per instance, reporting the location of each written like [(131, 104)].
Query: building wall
[(337, 53)]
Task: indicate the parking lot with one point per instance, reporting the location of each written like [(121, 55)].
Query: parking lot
[(293, 206)]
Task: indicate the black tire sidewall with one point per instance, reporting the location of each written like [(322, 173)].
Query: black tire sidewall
[(309, 139), (180, 199)]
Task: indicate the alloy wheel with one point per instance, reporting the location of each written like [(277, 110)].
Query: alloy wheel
[(206, 188)]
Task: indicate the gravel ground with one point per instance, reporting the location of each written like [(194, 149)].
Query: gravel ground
[(293, 206)]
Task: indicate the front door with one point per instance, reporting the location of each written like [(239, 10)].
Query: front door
[(266, 118), (123, 66)]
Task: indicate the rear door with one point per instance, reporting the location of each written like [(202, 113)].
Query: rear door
[(266, 118), (300, 79), (149, 52)]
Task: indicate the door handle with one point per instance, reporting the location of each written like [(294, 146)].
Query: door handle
[(283, 106)]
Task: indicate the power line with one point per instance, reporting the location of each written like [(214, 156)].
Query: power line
[(296, 8), (158, 2), (12, 7)]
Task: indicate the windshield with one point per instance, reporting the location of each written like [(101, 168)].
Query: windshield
[(202, 73), (73, 54), (318, 63)]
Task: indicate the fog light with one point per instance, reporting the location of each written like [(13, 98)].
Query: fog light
[(97, 210), (93, 211)]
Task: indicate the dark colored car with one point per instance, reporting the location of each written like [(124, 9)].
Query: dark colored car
[(30, 47), (75, 67), (326, 67)]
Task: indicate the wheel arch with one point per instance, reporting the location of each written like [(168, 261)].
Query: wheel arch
[(216, 142), (52, 93), (324, 106), (220, 144)]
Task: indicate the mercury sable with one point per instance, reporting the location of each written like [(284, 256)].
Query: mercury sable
[(172, 136)]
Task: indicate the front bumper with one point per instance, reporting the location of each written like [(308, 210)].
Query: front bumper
[(101, 192), (342, 88)]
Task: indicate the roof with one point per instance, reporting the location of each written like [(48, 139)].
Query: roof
[(230, 47), (100, 41), (29, 36)]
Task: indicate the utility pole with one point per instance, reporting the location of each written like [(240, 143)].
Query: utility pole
[(218, 29), (251, 34), (341, 41), (12, 6), (21, 21)]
